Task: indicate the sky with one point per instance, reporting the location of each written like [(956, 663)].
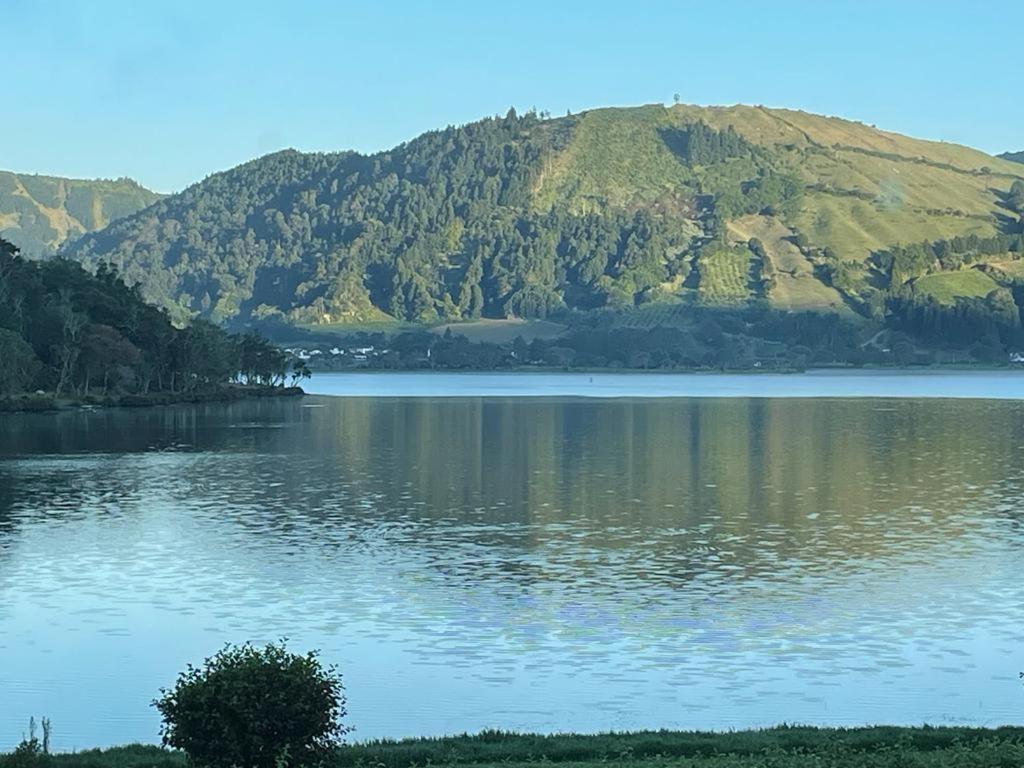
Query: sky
[(170, 92)]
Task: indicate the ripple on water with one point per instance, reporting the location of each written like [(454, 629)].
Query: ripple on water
[(628, 564)]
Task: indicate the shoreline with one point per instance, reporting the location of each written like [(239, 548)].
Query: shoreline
[(48, 403)]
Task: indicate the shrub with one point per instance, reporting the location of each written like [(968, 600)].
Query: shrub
[(31, 752), (28, 754), (254, 708)]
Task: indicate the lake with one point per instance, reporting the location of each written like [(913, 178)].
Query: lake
[(790, 552), (997, 385)]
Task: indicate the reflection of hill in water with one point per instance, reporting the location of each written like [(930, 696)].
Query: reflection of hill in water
[(740, 485), (760, 556)]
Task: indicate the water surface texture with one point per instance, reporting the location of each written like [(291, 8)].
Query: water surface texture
[(531, 563), (1000, 385)]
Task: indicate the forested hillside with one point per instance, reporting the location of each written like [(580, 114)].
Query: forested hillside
[(527, 215), (40, 213), (70, 333)]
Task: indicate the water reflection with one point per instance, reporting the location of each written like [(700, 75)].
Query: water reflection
[(544, 564)]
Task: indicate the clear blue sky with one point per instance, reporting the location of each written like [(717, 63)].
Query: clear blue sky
[(168, 92)]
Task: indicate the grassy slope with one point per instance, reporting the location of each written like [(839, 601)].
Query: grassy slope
[(783, 747), (918, 190), (724, 275), (503, 331), (617, 158), (854, 228), (945, 287), (1013, 269), (39, 213), (796, 288), (867, 189)]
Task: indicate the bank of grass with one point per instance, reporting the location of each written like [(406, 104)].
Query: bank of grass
[(781, 747), (947, 287), (503, 331)]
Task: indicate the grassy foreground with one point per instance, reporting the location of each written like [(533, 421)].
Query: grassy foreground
[(782, 747)]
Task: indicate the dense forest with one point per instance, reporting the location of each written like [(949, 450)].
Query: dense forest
[(69, 334)]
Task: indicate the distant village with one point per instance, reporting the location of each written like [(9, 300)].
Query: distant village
[(348, 354)]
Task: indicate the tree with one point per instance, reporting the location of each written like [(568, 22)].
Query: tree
[(300, 371), (20, 364), (31, 752), (105, 352), (248, 707), (67, 348), (261, 362), (520, 349)]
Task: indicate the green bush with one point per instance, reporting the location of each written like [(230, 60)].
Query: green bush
[(256, 708), (28, 754), (31, 752)]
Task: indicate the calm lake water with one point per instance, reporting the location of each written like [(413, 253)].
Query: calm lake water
[(998, 385), (537, 563)]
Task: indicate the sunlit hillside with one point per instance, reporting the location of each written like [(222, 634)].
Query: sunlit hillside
[(40, 213), (525, 215)]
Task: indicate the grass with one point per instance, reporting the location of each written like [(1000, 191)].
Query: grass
[(947, 287), (616, 158), (788, 127), (494, 331), (389, 326), (782, 747), (503, 331), (724, 275), (1011, 268), (854, 227), (797, 288), (868, 189), (655, 315)]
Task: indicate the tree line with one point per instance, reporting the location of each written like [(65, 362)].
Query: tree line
[(71, 333)]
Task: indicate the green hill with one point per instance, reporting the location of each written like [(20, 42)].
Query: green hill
[(525, 216), (40, 213)]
